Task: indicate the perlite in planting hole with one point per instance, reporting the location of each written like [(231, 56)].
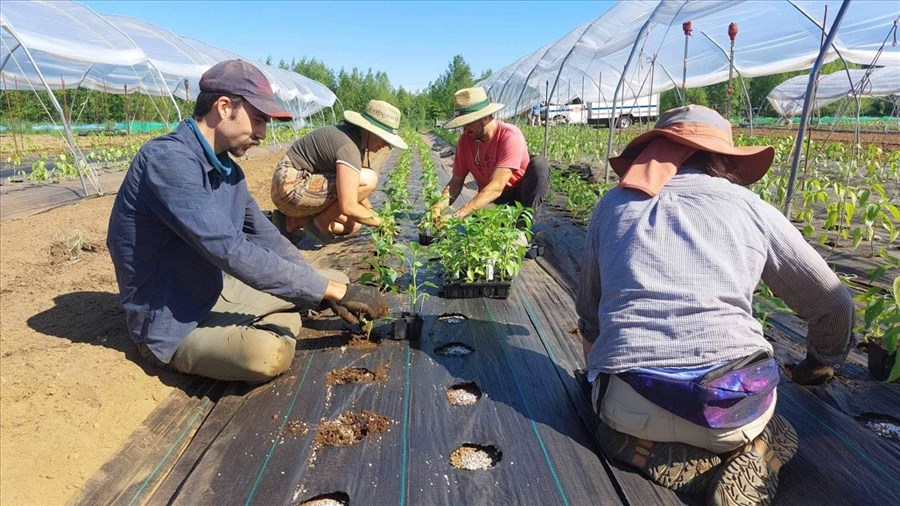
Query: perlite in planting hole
[(472, 457), (452, 318), (453, 350), (463, 394)]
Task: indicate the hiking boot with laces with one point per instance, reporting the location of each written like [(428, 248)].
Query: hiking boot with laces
[(751, 476), (677, 466)]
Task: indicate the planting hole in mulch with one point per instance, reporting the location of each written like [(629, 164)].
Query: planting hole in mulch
[(357, 375), (454, 350), (472, 457), (452, 318), (351, 428), (332, 499), (885, 426), (463, 394)]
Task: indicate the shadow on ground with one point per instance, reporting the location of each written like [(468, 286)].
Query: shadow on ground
[(97, 318)]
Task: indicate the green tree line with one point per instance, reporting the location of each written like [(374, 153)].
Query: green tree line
[(20, 109), (354, 88)]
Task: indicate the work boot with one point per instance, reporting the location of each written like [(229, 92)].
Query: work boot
[(750, 478), (677, 466)]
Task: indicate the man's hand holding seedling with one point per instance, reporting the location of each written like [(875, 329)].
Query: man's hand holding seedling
[(360, 300)]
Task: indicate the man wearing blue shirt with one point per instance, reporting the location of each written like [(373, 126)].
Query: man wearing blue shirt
[(208, 284)]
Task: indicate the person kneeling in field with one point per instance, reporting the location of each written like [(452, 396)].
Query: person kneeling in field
[(208, 284), (495, 154), (684, 381), (322, 184)]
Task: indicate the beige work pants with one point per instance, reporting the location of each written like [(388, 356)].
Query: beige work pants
[(248, 336), (626, 411)]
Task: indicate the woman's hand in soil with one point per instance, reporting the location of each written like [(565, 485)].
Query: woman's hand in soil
[(811, 372)]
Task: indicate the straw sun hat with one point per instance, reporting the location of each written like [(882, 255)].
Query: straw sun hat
[(380, 118), (699, 128), (470, 104)]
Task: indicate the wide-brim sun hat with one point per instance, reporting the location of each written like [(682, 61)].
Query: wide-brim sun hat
[(381, 119), (470, 104), (703, 129)]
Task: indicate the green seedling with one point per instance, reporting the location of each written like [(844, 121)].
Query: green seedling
[(415, 290)]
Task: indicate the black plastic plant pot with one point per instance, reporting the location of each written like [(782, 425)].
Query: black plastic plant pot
[(492, 290), (408, 327), (425, 239), (880, 363), (534, 250)]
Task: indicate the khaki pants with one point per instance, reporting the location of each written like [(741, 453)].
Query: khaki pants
[(626, 411), (248, 336)]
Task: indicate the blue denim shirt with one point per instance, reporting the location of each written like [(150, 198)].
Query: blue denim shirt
[(177, 224)]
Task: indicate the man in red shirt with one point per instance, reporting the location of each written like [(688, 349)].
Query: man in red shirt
[(496, 155)]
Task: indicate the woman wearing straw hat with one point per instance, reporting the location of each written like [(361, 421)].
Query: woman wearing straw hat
[(496, 156), (322, 184), (684, 383)]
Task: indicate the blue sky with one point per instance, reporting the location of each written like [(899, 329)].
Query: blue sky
[(412, 41)]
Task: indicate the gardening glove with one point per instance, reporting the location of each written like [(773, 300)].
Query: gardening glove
[(811, 372), (360, 299)]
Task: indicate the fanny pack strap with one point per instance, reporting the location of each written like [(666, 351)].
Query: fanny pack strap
[(734, 365)]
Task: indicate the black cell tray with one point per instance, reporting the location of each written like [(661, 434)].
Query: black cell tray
[(534, 250), (499, 290)]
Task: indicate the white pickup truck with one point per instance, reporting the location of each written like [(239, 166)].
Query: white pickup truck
[(627, 112)]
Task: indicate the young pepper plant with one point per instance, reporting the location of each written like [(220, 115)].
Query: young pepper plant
[(415, 291)]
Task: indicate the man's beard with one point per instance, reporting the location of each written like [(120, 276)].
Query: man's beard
[(241, 150)]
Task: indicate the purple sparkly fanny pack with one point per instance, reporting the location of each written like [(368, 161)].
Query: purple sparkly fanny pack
[(726, 397)]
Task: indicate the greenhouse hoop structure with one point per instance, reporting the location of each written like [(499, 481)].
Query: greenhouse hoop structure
[(788, 97), (641, 48), (47, 46)]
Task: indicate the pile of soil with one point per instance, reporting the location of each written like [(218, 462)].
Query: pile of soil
[(296, 427), (361, 342), (71, 246), (357, 375), (351, 427)]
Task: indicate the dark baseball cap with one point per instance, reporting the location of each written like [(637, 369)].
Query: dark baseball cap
[(238, 77)]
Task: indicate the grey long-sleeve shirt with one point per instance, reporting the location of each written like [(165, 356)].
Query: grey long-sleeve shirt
[(668, 281), (177, 224)]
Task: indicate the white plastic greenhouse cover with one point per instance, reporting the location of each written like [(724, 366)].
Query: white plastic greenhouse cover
[(302, 96), (774, 36), (787, 98), (73, 46)]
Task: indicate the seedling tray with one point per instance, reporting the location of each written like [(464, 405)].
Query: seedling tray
[(498, 290)]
